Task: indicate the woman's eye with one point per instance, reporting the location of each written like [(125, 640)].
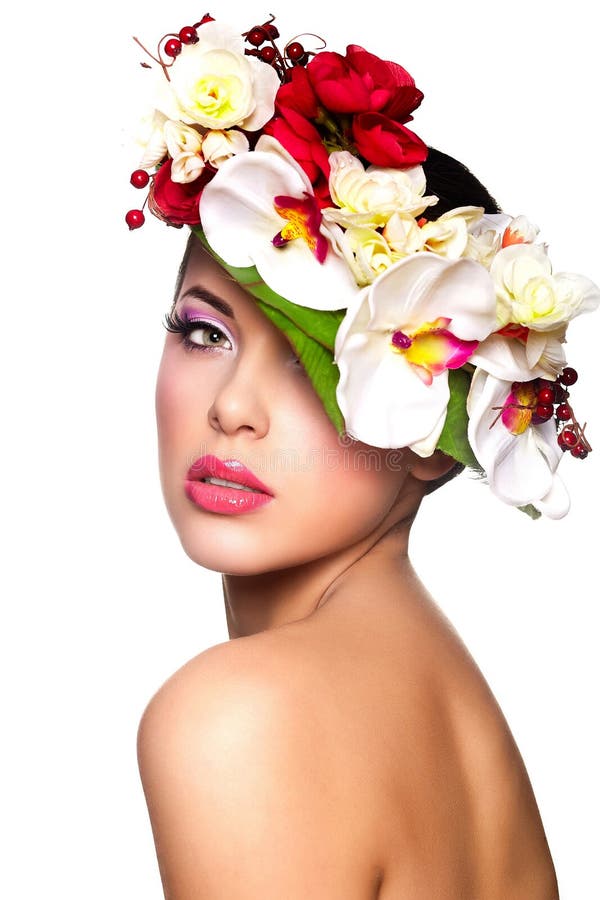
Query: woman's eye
[(203, 334), (197, 334)]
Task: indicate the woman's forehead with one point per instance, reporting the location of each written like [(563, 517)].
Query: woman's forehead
[(206, 282)]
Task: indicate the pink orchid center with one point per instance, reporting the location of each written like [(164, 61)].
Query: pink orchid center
[(303, 221), (432, 349), (519, 407)]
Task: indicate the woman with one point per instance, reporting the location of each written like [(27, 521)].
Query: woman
[(343, 743)]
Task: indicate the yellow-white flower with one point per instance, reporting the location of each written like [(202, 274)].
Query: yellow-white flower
[(219, 146), (529, 294), (213, 84), (371, 197), (403, 235), (448, 236), (370, 253)]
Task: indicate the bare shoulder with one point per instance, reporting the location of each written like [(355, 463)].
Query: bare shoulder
[(242, 802)]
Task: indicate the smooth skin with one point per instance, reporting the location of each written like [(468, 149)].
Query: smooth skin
[(343, 744)]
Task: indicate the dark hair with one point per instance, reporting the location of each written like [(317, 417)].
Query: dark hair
[(454, 185)]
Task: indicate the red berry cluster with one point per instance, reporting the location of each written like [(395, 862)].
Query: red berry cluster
[(171, 44), (553, 400), (262, 37)]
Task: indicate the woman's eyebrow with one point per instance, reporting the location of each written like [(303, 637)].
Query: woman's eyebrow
[(209, 297)]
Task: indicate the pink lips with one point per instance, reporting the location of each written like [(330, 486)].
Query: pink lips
[(219, 498)]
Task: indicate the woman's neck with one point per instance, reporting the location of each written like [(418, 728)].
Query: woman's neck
[(255, 603)]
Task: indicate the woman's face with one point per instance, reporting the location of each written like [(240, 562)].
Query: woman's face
[(246, 397)]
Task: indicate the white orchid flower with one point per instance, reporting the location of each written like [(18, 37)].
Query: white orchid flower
[(422, 316), (520, 458), (278, 227)]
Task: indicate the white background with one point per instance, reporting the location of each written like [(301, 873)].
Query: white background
[(101, 604)]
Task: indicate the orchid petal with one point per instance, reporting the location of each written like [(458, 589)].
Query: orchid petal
[(425, 287), (383, 401), (520, 468), (244, 191), (511, 360)]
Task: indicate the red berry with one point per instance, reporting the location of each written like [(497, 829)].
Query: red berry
[(544, 411), (561, 442), (569, 376), (295, 51), (188, 35), (173, 47), (256, 36), (563, 412), (546, 395), (268, 53), (569, 437), (270, 31), (579, 451), (135, 218), (139, 178)]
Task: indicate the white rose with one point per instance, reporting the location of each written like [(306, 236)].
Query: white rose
[(403, 234), (213, 84), (151, 138), (372, 255), (448, 236), (219, 146), (482, 247), (529, 294), (371, 197)]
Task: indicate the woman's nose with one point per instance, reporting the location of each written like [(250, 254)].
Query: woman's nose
[(241, 399)]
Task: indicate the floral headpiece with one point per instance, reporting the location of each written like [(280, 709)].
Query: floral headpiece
[(297, 171)]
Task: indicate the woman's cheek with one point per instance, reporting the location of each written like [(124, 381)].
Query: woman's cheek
[(178, 407)]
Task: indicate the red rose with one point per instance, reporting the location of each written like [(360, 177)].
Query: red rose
[(296, 104), (361, 82), (174, 203), (386, 143), (303, 142), (339, 88), (388, 78), (297, 94)]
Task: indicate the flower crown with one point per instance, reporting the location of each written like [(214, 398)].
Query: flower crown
[(297, 171)]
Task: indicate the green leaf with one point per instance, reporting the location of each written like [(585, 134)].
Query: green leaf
[(320, 325), (453, 439), (530, 510), (317, 361)]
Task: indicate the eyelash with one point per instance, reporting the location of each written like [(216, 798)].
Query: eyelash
[(174, 323)]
